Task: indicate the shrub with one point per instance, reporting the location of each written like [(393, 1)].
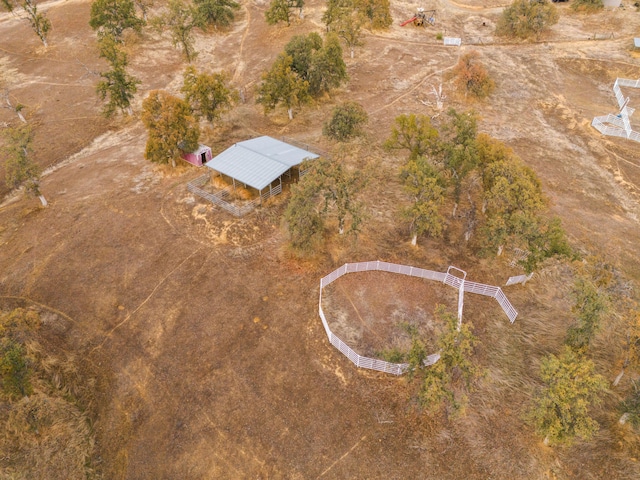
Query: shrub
[(347, 121), (587, 5), (560, 411), (526, 18), (471, 77)]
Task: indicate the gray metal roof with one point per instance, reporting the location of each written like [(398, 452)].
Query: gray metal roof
[(259, 161)]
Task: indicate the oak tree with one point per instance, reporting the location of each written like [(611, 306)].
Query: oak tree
[(426, 187), (208, 94), (327, 70), (113, 17), (327, 189), (39, 22), (526, 18), (282, 85), (377, 11), (282, 11), (317, 62), (20, 168), (340, 187), (181, 18), (347, 121), (216, 13), (589, 307), (513, 198), (560, 409), (348, 27), (303, 216), (171, 126), (444, 385), (414, 133), (116, 84)]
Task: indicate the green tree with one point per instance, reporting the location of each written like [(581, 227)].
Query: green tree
[(209, 95), (20, 168), (424, 184), (458, 148), (328, 70), (216, 13), (526, 18), (560, 409), (340, 188), (119, 87), (377, 11), (15, 371), (40, 24), (282, 85), (470, 76), (491, 150), (327, 188), (172, 127), (181, 19), (316, 62), (113, 17), (116, 84), (303, 217), (282, 11), (545, 240), (414, 133), (513, 199), (302, 49), (590, 305), (348, 27), (347, 121), (445, 384), (335, 10)]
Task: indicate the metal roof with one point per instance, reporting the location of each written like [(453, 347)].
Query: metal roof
[(259, 161)]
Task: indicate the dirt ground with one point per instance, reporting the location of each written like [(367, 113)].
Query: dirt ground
[(206, 329), (369, 311)]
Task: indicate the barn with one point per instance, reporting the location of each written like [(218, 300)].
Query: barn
[(257, 166), (198, 157)]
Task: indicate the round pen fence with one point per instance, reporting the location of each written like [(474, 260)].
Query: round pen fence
[(461, 284)]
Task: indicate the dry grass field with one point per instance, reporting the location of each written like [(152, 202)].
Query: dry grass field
[(200, 330)]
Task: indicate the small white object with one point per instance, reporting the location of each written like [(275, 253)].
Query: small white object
[(452, 41)]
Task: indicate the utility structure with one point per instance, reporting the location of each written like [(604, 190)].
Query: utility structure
[(422, 18)]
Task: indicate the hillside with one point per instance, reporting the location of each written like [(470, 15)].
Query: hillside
[(200, 330)]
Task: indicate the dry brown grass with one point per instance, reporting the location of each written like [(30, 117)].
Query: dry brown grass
[(46, 437), (47, 434)]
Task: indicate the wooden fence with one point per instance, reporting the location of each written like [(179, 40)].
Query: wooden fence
[(448, 279)]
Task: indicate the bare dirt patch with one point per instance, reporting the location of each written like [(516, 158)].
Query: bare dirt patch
[(367, 310)]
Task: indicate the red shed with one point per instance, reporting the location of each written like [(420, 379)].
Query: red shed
[(198, 157)]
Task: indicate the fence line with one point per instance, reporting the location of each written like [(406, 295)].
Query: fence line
[(218, 197), (459, 283)]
